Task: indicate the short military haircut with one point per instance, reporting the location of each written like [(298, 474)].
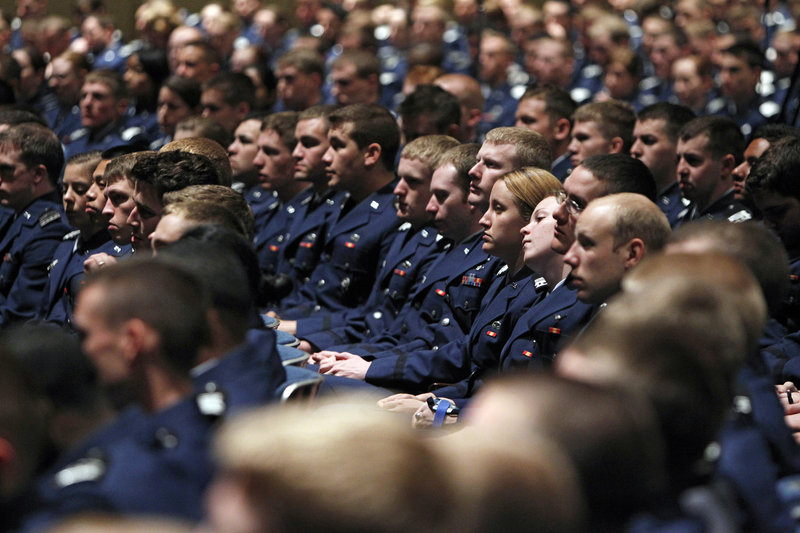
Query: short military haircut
[(531, 148), (622, 173), (223, 276), (772, 133), (13, 116), (637, 217), (86, 159), (207, 127), (439, 106), (366, 63), (674, 116), (748, 51), (558, 103), (752, 244), (206, 147), (777, 169), (284, 124), (724, 135), (429, 149), (367, 124), (169, 299), (612, 118), (212, 204), (304, 60), (174, 170), (121, 167), (111, 79), (235, 88), (187, 90), (37, 145), (463, 157), (209, 53), (322, 111)]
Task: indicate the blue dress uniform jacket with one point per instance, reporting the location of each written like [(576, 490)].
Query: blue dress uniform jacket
[(499, 109), (115, 134), (409, 256), (270, 237), (542, 330), (305, 239), (247, 376), (27, 248), (64, 121), (444, 304), (672, 203), (153, 464), (726, 207), (65, 273), (507, 299), (354, 249)]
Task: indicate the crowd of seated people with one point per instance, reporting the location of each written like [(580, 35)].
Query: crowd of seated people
[(437, 266)]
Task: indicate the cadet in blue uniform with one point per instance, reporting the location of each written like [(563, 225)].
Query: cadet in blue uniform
[(413, 248), (103, 104), (275, 165), (709, 148), (67, 73), (158, 462), (548, 110), (31, 159), (655, 143), (363, 142), (497, 55), (513, 199), (83, 206), (106, 52)]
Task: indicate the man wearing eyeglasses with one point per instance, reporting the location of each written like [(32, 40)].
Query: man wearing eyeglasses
[(597, 176)]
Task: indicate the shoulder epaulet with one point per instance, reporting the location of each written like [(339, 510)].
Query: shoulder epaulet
[(740, 216), (211, 402), (90, 468), (129, 133), (51, 215), (71, 235), (77, 134)]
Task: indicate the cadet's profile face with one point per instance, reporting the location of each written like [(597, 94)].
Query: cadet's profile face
[(296, 89), (502, 225), (118, 207), (169, 229), (413, 191), (171, 110), (587, 141), (580, 188), (95, 199), (244, 147), (17, 181), (690, 87), (344, 160), (102, 343), (448, 206), (598, 264), (75, 184), (348, 88), (312, 143), (136, 79), (532, 115), (274, 162), (215, 107), (98, 106), (737, 79), (494, 160), (782, 215), (65, 81), (699, 173), (538, 234), (191, 64), (754, 150), (653, 147), (145, 214)]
